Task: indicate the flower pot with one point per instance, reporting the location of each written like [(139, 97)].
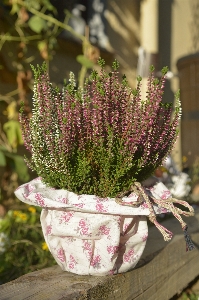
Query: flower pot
[(89, 235), (93, 243)]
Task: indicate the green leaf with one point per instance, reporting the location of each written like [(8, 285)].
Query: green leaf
[(19, 165), (37, 24), (2, 159), (13, 133), (15, 9), (21, 168), (83, 60), (48, 5)]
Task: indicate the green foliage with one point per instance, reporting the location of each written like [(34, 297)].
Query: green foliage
[(13, 133), (152, 68), (15, 162), (2, 159), (84, 61), (101, 62), (189, 296), (115, 65), (37, 24), (99, 139), (165, 70), (22, 246)]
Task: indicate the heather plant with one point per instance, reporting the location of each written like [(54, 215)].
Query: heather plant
[(101, 138)]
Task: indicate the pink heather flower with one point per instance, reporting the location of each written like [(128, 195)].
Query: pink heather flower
[(100, 138)]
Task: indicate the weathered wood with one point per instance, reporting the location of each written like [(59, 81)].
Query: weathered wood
[(164, 270)]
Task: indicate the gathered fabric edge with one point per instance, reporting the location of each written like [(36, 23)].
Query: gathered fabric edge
[(149, 201), (37, 193)]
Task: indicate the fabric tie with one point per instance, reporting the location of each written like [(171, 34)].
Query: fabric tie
[(140, 191)]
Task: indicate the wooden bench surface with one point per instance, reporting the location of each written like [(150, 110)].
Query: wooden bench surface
[(164, 269)]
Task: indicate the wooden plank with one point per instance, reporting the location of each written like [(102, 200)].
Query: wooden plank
[(164, 269)]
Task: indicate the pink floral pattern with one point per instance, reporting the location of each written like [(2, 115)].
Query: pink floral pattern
[(165, 195), (72, 262), (144, 205), (129, 256), (95, 262), (61, 255), (65, 217), (104, 230), (28, 188), (83, 227), (62, 199), (48, 229), (159, 191), (87, 247), (100, 207), (112, 249), (80, 205), (40, 200), (144, 237), (126, 226)]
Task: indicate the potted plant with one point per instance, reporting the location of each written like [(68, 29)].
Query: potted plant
[(94, 149)]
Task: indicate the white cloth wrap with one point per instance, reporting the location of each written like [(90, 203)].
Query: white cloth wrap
[(89, 235), (94, 244)]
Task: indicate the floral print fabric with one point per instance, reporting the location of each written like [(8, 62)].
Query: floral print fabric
[(37, 193), (94, 244), (89, 235)]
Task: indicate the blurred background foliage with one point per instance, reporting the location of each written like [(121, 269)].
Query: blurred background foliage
[(22, 247), (24, 24), (28, 23)]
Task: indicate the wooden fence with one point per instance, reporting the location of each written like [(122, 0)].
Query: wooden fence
[(188, 68), (164, 270)]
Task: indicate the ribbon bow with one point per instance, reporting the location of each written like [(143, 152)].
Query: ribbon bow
[(168, 203)]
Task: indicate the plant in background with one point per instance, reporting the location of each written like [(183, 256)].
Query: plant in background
[(101, 138), (22, 246)]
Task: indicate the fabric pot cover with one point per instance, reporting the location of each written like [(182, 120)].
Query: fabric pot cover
[(89, 235), (94, 244)]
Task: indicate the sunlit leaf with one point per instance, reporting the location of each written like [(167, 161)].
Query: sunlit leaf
[(19, 166), (83, 60), (37, 24), (13, 133), (15, 8), (48, 5), (2, 159), (11, 110)]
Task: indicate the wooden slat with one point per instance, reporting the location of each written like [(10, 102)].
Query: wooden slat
[(164, 270)]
